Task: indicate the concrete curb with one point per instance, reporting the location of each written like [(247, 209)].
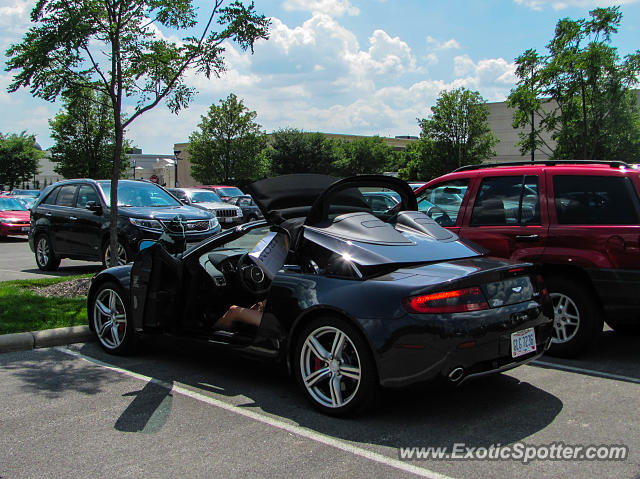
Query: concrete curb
[(45, 338)]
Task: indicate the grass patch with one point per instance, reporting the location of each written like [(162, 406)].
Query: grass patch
[(21, 309)]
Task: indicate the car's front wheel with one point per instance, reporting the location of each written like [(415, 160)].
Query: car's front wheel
[(577, 318), (45, 257), (334, 366), (110, 318), (123, 254)]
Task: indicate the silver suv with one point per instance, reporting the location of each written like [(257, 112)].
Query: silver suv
[(227, 214)]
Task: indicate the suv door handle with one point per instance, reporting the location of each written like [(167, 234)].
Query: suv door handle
[(528, 238), (72, 218), (47, 214)]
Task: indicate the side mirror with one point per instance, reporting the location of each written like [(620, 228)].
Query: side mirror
[(93, 206)]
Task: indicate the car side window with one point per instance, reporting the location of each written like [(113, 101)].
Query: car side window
[(443, 201), (51, 197), (507, 200), (66, 196), (595, 200), (86, 193)]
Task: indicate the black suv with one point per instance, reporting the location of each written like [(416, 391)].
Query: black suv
[(71, 220)]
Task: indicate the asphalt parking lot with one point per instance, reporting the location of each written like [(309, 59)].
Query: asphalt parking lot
[(17, 261), (174, 409), (181, 409)]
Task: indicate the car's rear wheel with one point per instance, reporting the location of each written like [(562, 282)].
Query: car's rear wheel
[(632, 329), (110, 318), (123, 254), (45, 257), (577, 318), (334, 367)]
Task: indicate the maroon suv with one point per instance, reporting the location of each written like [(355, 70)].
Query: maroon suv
[(581, 221)]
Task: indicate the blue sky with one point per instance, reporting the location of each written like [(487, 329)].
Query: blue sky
[(365, 67)]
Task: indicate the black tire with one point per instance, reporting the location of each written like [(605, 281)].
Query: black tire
[(124, 255), (111, 302), (627, 328), (578, 318), (354, 354), (46, 258)]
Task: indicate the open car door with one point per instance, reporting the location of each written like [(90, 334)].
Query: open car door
[(156, 299)]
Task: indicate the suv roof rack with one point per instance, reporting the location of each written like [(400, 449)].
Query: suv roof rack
[(612, 164)]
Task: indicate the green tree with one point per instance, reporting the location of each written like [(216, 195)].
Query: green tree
[(228, 145), (295, 151), (19, 158), (83, 133), (366, 155), (581, 91), (456, 134), (111, 46)]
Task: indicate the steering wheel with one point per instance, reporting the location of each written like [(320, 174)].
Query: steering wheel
[(443, 220), (251, 276)]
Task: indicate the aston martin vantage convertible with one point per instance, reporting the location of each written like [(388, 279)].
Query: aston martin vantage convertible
[(354, 301)]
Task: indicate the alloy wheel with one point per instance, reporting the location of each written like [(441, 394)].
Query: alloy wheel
[(110, 318), (122, 255), (330, 367), (566, 318), (43, 251)]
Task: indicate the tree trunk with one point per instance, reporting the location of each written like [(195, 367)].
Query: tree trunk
[(115, 174)]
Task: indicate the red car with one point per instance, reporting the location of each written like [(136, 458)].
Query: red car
[(15, 218), (223, 191), (579, 220)]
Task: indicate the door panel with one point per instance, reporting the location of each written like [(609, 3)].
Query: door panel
[(86, 229), (507, 217)]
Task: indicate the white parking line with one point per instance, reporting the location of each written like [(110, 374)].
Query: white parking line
[(590, 372), (292, 428)]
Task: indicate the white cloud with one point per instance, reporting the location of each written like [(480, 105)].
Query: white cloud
[(334, 8), (562, 4), (434, 44)]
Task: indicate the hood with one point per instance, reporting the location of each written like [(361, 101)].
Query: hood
[(166, 213), (215, 205), (19, 215)]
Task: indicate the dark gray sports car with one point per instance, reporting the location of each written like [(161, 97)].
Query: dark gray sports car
[(357, 301)]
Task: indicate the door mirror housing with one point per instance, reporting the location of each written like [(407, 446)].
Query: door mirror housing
[(94, 206)]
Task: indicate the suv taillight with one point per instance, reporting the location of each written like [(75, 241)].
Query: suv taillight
[(454, 301)]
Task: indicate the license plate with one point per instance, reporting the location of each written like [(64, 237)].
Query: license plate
[(25, 229), (523, 342)]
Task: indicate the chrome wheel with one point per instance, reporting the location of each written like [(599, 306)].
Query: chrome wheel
[(110, 318), (566, 318), (122, 255), (43, 251), (330, 367)]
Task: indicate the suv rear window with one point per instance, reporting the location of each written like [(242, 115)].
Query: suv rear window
[(595, 200)]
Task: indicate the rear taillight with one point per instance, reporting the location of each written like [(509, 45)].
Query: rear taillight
[(455, 301)]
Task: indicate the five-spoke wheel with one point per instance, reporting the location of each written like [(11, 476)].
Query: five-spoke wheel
[(109, 316), (45, 257), (123, 256), (334, 366)]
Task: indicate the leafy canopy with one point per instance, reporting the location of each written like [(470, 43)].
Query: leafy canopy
[(19, 158), (579, 93), (83, 133), (456, 134), (295, 151), (228, 145)]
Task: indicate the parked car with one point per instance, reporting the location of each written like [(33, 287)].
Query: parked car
[(223, 191), (71, 220), (250, 210), (14, 217), (228, 215), (27, 201), (357, 300), (580, 221), (33, 193), (381, 201)]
